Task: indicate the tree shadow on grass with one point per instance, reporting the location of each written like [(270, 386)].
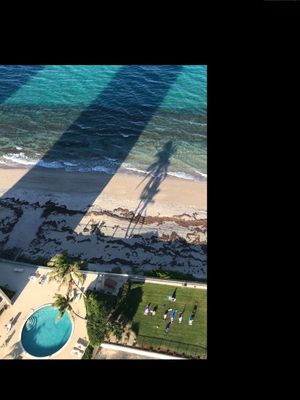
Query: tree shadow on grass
[(135, 327), (129, 301)]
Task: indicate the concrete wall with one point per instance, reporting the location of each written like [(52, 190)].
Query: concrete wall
[(133, 278)]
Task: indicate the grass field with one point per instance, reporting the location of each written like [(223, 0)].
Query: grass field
[(181, 338)]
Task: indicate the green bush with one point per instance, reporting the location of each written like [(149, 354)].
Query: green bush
[(98, 308), (41, 260), (117, 270), (167, 274), (88, 353)]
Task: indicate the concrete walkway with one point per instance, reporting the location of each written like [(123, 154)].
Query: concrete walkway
[(116, 353)]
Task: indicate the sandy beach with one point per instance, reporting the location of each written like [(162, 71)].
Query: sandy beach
[(122, 220), (174, 193)]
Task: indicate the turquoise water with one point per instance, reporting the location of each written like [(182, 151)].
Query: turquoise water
[(104, 118), (43, 334)]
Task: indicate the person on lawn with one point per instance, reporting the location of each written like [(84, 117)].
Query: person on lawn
[(165, 315), (153, 312), (147, 309), (167, 328), (173, 314), (180, 316)]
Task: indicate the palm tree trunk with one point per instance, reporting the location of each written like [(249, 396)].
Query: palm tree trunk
[(77, 315), (78, 286)]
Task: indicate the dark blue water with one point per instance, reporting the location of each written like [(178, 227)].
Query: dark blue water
[(103, 118)]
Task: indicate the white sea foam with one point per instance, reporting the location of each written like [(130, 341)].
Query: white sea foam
[(69, 164), (130, 168), (182, 175), (19, 148), (52, 164), (112, 160), (18, 158), (101, 168), (109, 166), (200, 173)]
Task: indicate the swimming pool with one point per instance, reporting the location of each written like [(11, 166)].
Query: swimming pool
[(43, 334)]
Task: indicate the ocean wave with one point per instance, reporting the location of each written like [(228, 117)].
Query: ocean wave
[(18, 158), (51, 164), (130, 168), (182, 175), (69, 164), (178, 174), (200, 173), (109, 166), (124, 135), (102, 168)]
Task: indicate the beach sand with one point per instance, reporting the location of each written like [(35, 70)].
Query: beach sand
[(121, 189), (101, 227)]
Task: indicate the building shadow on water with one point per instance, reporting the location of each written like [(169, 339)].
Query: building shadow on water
[(156, 174), (120, 112)]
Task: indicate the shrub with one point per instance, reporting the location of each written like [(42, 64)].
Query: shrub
[(88, 353), (135, 270), (41, 260), (117, 270), (98, 308), (167, 274), (9, 253)]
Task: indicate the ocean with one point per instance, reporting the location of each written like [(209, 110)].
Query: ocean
[(131, 118)]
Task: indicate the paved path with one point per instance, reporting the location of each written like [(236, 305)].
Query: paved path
[(115, 351)]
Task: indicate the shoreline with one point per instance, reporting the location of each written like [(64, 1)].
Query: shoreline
[(109, 221), (102, 188), (121, 170)]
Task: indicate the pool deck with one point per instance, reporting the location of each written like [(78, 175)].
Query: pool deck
[(29, 296)]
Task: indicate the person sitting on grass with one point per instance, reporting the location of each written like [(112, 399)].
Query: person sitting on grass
[(147, 309), (165, 315), (191, 319), (170, 298), (153, 312), (180, 316), (173, 314)]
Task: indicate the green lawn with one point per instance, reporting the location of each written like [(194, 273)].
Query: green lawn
[(181, 338)]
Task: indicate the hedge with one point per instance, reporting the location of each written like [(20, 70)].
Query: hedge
[(98, 308), (167, 274)]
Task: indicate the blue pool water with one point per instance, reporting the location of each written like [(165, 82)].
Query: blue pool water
[(104, 118), (43, 334)]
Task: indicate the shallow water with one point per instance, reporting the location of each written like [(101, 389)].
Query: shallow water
[(104, 118)]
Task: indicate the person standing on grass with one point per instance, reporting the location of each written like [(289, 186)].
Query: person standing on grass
[(167, 328)]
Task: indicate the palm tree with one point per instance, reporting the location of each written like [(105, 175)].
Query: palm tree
[(66, 271), (63, 304)]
